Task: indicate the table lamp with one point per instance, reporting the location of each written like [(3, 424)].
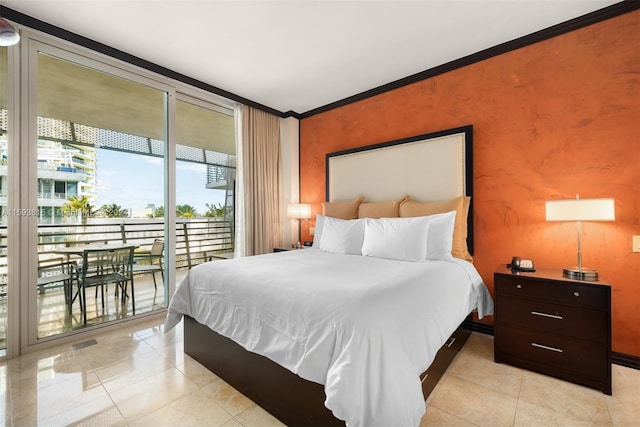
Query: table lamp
[(299, 211), (580, 210)]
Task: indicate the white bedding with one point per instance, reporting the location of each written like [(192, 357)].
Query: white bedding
[(364, 327)]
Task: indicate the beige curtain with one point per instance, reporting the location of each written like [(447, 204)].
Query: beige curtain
[(260, 182)]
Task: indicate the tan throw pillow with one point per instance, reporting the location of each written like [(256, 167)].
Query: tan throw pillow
[(342, 210), (411, 208), (390, 209)]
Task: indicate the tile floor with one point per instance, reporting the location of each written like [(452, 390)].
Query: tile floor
[(139, 376), (53, 317)]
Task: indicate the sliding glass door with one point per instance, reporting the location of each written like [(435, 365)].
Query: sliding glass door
[(98, 154), (205, 182), (98, 136)]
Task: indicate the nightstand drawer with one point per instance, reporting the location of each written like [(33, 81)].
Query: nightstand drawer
[(539, 350), (553, 318), (569, 293)]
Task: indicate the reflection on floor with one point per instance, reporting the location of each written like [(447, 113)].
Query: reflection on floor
[(54, 317), (139, 376)]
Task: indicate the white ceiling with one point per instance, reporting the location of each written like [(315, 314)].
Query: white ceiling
[(301, 55)]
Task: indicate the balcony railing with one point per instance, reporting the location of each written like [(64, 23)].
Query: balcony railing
[(197, 239)]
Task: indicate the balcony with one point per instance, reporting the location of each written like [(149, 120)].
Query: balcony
[(197, 240)]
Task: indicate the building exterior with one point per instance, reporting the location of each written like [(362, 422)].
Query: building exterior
[(64, 170)]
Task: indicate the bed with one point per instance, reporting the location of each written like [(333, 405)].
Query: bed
[(364, 327), (321, 336)]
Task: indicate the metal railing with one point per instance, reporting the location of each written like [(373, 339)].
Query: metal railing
[(197, 239)]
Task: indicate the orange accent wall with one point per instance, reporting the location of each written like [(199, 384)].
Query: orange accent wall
[(551, 120)]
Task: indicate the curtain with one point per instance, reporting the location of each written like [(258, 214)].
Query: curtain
[(259, 225)]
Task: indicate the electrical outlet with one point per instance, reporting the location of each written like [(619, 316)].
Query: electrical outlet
[(312, 231), (636, 243)]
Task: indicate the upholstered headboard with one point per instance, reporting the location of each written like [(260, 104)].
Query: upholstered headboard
[(430, 167)]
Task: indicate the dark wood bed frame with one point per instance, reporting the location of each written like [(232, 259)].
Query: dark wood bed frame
[(291, 399)]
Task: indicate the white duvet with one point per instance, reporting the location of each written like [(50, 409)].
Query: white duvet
[(364, 327)]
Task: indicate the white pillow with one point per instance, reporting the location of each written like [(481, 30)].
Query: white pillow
[(440, 239), (402, 239), (317, 236), (342, 236), (440, 236)]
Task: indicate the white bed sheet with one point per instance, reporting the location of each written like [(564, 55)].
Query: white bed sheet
[(364, 327)]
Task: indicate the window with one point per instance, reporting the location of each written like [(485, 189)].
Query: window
[(102, 168)]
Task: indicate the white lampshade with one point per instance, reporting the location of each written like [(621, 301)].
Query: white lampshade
[(580, 210), (299, 211)]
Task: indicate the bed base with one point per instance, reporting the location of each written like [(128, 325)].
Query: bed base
[(289, 398)]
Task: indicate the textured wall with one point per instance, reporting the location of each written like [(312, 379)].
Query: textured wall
[(550, 120)]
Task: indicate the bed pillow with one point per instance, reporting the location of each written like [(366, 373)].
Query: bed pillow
[(440, 239), (403, 239), (390, 209), (411, 208), (440, 236), (342, 236), (317, 235), (342, 210)]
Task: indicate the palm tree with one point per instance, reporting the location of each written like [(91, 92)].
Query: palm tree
[(113, 210), (214, 211), (78, 206), (186, 211)]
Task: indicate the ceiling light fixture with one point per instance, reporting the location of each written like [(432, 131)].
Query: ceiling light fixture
[(8, 34)]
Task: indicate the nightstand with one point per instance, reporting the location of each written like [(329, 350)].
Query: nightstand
[(557, 326), (285, 249)]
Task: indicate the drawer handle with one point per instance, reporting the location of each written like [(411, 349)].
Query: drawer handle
[(552, 316), (450, 341), (519, 286), (576, 294), (546, 347)]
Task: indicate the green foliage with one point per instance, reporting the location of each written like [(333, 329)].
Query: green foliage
[(157, 213), (77, 205), (113, 210), (214, 211), (186, 211)]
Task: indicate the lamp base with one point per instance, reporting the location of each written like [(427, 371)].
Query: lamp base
[(580, 273)]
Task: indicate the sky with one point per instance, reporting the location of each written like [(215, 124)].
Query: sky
[(134, 181)]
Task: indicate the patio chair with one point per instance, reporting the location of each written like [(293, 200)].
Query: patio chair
[(101, 267), (150, 262), (56, 272)]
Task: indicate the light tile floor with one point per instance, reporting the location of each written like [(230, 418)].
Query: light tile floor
[(139, 376)]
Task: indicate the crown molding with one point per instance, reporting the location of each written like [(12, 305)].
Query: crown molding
[(609, 12), (538, 36)]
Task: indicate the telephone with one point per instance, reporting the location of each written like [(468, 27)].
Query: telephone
[(519, 264)]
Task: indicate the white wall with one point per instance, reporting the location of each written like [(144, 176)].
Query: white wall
[(290, 146)]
